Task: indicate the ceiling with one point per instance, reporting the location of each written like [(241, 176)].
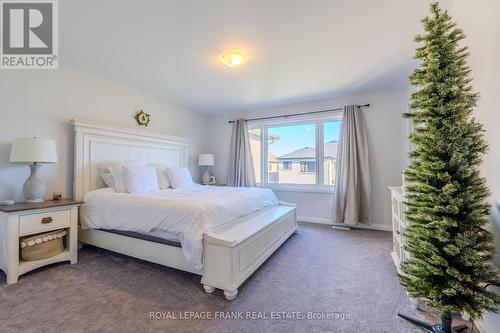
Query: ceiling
[(298, 50)]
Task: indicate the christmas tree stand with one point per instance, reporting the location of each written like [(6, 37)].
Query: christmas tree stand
[(445, 326)]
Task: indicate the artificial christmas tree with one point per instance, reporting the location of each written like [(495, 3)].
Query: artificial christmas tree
[(450, 249)]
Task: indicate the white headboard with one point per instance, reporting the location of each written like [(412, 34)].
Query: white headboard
[(97, 143)]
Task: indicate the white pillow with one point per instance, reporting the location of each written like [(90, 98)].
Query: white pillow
[(180, 178), (116, 170), (107, 179), (161, 172), (141, 178)]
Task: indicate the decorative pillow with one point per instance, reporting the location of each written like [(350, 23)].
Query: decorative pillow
[(161, 172), (141, 178), (116, 170), (107, 179), (180, 178)]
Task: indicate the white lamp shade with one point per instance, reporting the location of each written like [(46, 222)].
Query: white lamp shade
[(206, 160), (30, 150)]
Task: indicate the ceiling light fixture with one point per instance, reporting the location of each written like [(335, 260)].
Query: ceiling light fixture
[(233, 58)]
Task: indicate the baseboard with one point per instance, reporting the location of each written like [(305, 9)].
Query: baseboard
[(324, 220), (380, 227), (310, 219)]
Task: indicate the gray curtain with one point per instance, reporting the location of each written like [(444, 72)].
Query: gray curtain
[(353, 187), (240, 171)]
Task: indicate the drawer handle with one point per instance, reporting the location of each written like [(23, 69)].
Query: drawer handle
[(47, 220)]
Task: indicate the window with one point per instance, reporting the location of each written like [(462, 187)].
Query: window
[(291, 144), (255, 148), (296, 154), (307, 166), (287, 165), (331, 132)]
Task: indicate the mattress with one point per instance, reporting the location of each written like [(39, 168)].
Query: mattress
[(182, 213)]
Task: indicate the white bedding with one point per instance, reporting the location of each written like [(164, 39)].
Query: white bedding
[(185, 212)]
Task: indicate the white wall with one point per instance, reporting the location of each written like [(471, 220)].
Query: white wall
[(387, 143), (481, 22), (41, 103)]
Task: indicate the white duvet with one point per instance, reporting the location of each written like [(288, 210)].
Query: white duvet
[(187, 213)]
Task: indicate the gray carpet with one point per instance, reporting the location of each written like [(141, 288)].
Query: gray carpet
[(317, 270)]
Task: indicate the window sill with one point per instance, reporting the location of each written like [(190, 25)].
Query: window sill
[(305, 189)]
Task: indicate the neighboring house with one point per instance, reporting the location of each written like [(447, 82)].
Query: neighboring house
[(256, 156), (273, 162), (296, 167), (299, 166)]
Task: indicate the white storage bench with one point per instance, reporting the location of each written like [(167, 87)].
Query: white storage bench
[(233, 251)]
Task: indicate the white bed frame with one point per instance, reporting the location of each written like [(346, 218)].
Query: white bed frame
[(231, 252)]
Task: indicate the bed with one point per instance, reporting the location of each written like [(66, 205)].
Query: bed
[(221, 233)]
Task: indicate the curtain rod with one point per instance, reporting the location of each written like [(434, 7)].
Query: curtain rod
[(300, 114)]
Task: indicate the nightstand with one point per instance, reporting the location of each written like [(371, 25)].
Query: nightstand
[(23, 219)]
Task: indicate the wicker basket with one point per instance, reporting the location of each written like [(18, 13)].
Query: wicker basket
[(42, 246)]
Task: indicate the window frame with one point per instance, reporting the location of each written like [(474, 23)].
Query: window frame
[(319, 122)]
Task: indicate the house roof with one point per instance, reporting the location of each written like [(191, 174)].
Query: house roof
[(309, 152)]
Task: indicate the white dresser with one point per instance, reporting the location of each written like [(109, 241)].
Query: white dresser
[(398, 225)]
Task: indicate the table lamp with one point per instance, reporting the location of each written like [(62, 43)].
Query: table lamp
[(206, 160), (33, 151)]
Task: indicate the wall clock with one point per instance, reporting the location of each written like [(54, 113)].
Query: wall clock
[(143, 118)]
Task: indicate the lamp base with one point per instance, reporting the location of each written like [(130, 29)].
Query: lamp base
[(205, 178), (34, 187)]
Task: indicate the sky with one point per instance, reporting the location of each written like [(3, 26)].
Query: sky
[(294, 137)]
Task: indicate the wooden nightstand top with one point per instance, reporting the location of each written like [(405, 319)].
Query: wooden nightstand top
[(21, 206)]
